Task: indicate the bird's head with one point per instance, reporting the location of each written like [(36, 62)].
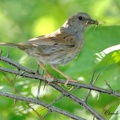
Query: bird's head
[(79, 21)]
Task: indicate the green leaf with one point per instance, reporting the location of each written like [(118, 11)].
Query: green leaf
[(108, 56)]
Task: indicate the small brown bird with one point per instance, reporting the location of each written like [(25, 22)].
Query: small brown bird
[(59, 47)]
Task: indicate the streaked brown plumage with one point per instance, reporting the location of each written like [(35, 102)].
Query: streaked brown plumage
[(59, 47)]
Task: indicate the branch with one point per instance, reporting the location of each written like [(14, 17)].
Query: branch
[(17, 65), (38, 102), (26, 72), (77, 100), (76, 84)]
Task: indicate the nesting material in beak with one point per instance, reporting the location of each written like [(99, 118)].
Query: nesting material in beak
[(91, 21)]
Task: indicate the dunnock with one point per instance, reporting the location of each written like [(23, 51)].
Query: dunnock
[(59, 47)]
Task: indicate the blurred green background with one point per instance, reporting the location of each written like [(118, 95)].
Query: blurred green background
[(21, 20)]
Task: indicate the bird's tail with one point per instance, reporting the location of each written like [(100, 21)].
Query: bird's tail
[(9, 44), (22, 46)]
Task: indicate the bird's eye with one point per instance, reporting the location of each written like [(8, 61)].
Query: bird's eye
[(80, 18)]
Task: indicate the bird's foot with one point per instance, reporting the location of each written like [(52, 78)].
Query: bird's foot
[(49, 77), (69, 80)]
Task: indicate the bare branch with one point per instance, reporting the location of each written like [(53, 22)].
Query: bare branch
[(38, 77), (77, 100), (38, 102), (26, 72), (17, 65)]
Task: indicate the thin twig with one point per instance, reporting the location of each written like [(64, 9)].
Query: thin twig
[(46, 115), (109, 86), (38, 92), (34, 111), (92, 82)]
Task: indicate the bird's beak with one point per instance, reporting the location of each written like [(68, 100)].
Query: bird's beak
[(91, 21)]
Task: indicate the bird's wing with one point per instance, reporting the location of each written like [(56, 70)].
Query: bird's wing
[(53, 39), (52, 43)]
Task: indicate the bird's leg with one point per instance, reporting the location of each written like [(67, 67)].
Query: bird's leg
[(68, 78), (48, 76)]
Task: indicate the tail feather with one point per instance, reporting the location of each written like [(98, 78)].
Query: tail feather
[(22, 46), (9, 44)]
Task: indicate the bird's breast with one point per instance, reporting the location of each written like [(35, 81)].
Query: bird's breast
[(73, 52)]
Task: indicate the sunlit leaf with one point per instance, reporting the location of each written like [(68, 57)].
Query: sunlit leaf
[(108, 56)]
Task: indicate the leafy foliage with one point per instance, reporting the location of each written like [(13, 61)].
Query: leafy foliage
[(24, 19)]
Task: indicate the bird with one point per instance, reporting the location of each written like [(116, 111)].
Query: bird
[(59, 47)]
